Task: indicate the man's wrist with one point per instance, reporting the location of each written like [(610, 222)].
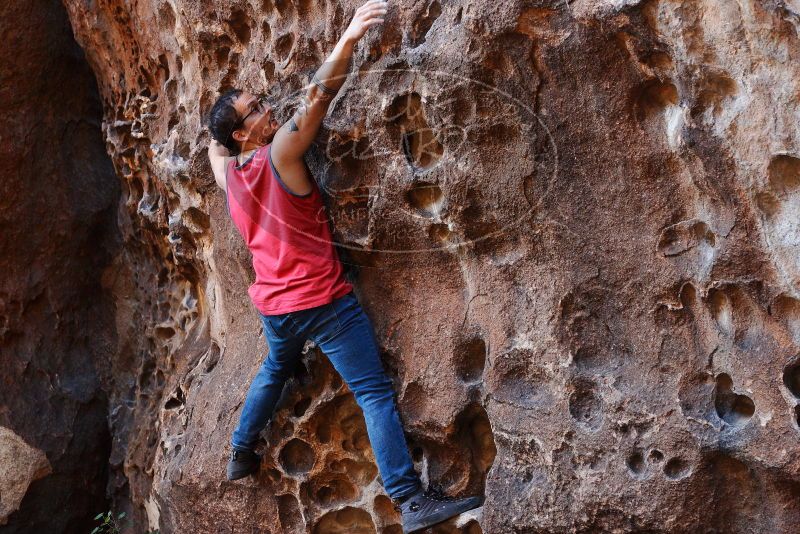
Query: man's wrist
[(348, 40)]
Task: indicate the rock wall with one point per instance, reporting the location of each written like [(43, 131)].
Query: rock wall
[(575, 225), (58, 207)]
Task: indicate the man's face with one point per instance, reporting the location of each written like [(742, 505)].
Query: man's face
[(259, 125)]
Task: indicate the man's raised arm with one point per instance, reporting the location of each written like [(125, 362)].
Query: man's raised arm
[(216, 155), (293, 138)]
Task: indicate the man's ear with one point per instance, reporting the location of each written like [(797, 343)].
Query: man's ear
[(238, 135)]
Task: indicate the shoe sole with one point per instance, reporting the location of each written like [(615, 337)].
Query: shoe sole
[(475, 502), (236, 475)]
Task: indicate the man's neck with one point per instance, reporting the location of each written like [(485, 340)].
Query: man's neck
[(244, 154)]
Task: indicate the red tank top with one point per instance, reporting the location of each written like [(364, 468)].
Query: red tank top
[(289, 236)]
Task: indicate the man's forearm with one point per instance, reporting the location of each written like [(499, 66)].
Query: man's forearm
[(330, 77)]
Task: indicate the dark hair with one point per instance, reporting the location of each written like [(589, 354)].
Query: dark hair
[(222, 118)]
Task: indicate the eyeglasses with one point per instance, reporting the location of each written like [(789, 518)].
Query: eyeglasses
[(260, 107)]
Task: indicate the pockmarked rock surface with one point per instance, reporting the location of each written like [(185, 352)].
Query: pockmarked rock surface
[(576, 231)]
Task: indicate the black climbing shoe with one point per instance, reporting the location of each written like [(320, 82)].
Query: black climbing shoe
[(243, 463), (425, 508)]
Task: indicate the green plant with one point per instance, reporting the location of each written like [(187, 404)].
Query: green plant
[(110, 524)]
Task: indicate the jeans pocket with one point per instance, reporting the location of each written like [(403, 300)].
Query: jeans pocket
[(269, 329), (327, 323), (347, 301)]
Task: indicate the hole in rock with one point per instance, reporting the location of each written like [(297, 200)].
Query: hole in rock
[(176, 400), (787, 310), (515, 378), (479, 221), (171, 92), (475, 431), (221, 54), (348, 520), (297, 457), (289, 514), (362, 473), (354, 433), (654, 97), (301, 374), (269, 69), (286, 430), (326, 418), (284, 7), (197, 220), (384, 508), (733, 408), (163, 66), (240, 25), (421, 148), (636, 463), (656, 455), (676, 469), (784, 174), (164, 332), (340, 420), (659, 60), (791, 378), (585, 406), (767, 203), (211, 358), (797, 415), (470, 359), (183, 150), (420, 144), (688, 295), (685, 236), (425, 198), (591, 357), (720, 305), (166, 17), (439, 232), (716, 90), (323, 434), (334, 490), (423, 24), (301, 406), (283, 46), (229, 80), (415, 399), (266, 31)]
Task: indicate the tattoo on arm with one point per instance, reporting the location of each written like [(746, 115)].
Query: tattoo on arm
[(301, 110)]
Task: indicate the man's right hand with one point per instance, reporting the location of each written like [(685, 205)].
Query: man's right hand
[(366, 16)]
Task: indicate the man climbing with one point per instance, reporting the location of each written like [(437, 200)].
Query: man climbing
[(300, 291)]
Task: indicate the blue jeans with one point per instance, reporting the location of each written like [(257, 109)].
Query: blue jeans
[(344, 333)]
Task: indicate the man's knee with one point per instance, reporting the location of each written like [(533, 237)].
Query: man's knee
[(275, 371), (375, 389)]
